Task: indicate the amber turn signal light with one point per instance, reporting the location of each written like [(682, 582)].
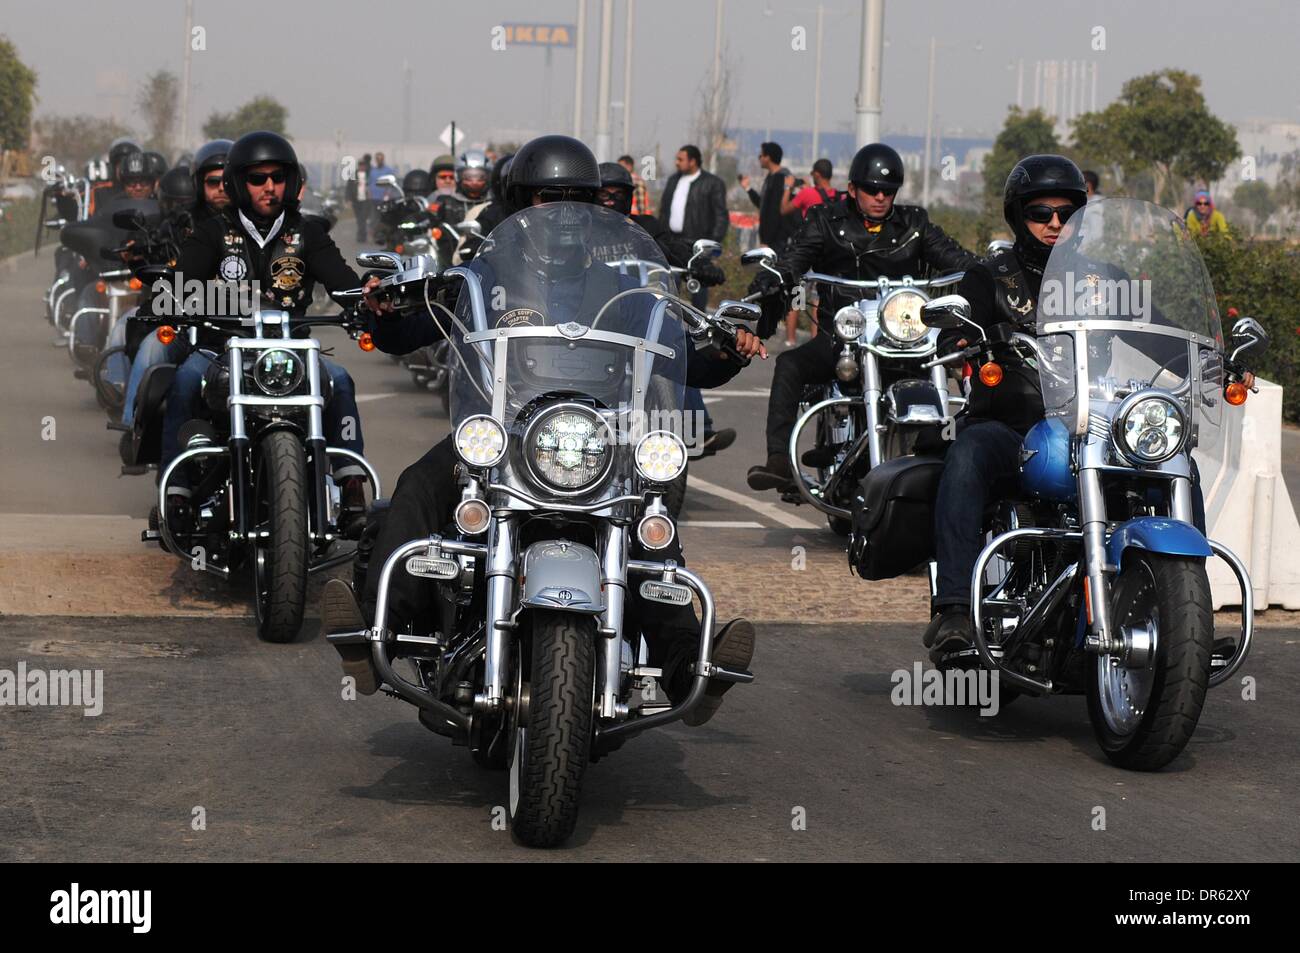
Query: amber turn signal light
[(166, 334), (366, 342), (135, 284), (991, 374), (1235, 393), (101, 286), (437, 234)]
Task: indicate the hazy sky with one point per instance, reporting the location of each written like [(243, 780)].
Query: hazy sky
[(338, 65)]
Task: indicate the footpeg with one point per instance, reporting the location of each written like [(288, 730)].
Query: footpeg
[(723, 674)]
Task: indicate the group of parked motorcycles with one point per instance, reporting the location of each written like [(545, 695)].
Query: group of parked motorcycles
[(1092, 580)]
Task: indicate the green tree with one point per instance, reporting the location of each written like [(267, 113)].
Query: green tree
[(75, 139), (261, 113), (1160, 123), (158, 100), (1023, 134), (1256, 198), (17, 94)]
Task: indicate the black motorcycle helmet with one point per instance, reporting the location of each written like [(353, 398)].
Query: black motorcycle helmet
[(500, 169), (417, 182), (877, 166), (175, 191), (134, 166), (156, 163), (617, 181), (1034, 177), (211, 155), (118, 150), (256, 148), (552, 162)]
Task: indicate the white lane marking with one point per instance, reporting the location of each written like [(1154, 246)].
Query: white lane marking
[(365, 398), (719, 394), (722, 524), (761, 507)]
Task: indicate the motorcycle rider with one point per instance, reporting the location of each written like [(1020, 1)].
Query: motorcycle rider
[(1040, 195), (490, 215), (555, 168), (118, 150), (262, 237), (617, 190), (208, 199), (864, 236)]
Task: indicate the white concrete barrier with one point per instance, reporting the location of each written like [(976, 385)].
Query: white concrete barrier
[(1247, 506)]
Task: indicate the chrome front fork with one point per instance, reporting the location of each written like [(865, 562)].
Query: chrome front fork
[(613, 577), (1092, 516), (871, 400), (502, 544)]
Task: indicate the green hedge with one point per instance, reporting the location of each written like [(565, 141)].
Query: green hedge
[(1261, 279), (18, 227)]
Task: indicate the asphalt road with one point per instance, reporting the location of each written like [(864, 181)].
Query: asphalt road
[(811, 762)]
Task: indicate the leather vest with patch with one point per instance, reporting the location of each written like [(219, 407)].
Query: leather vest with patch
[(285, 284), (1013, 297)]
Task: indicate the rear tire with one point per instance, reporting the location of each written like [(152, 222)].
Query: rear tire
[(280, 562), (552, 737), (1143, 717)]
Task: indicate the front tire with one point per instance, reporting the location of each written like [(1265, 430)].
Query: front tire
[(1144, 715), (552, 735), (280, 561)]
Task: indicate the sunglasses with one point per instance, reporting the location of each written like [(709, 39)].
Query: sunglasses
[(557, 194), (212, 181), (446, 175), (1042, 214), (279, 177), (1202, 202), (872, 192)]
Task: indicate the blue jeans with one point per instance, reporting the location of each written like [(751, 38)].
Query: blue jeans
[(984, 457), (984, 454), (341, 420), (151, 353)]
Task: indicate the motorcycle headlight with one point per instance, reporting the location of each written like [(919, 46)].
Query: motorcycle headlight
[(278, 373), (849, 323), (900, 316), (480, 441), (1149, 429), (568, 448), (660, 456)]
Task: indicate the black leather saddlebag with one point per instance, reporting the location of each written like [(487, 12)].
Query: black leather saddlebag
[(893, 517)]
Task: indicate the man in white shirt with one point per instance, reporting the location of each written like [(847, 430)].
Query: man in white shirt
[(694, 204)]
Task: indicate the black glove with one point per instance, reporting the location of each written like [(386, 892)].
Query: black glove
[(708, 274), (766, 284)]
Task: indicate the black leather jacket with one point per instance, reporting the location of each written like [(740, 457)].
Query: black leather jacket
[(834, 240)]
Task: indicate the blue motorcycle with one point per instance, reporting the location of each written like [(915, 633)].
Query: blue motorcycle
[(1093, 580)]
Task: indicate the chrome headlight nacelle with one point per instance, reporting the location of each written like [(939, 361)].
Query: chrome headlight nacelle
[(568, 448), (900, 316), (278, 372), (1149, 428)]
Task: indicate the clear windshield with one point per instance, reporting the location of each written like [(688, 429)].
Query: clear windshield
[(565, 321), (1126, 304)]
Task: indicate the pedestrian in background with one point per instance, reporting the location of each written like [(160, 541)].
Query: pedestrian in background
[(640, 194), (357, 196), (773, 227), (1203, 218)]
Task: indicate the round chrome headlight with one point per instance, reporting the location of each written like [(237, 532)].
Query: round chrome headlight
[(660, 456), (480, 441), (568, 448), (900, 316), (1149, 428), (277, 372), (849, 323)]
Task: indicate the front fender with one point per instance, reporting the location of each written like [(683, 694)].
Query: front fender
[(1156, 534), (559, 574)]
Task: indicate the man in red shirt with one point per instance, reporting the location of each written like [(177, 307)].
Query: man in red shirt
[(808, 196)]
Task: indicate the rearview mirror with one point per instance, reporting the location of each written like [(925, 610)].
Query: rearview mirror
[(1248, 337), (947, 313), (1000, 244), (385, 260), (389, 180), (739, 310), (706, 248), (758, 256), (471, 227)]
